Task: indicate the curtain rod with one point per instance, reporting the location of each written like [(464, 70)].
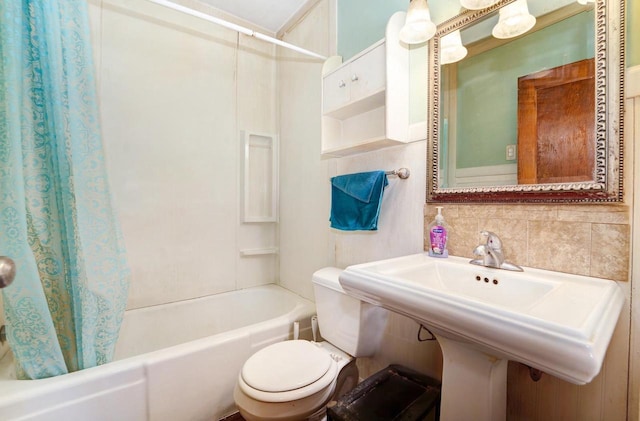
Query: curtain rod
[(235, 27)]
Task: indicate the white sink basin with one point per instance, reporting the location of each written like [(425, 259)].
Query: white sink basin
[(555, 322)]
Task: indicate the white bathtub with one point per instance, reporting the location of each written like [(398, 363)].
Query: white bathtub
[(175, 362)]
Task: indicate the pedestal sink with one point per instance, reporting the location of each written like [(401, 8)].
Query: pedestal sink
[(483, 317)]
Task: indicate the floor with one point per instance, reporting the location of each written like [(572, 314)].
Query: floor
[(233, 417)]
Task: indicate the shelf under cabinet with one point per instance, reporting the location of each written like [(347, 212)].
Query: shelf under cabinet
[(358, 106), (359, 147), (360, 133)]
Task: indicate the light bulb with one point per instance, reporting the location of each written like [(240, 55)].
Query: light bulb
[(515, 20), (418, 27)]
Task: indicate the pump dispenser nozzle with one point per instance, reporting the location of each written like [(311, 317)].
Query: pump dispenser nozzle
[(439, 217)]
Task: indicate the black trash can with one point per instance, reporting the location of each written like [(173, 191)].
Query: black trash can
[(396, 393)]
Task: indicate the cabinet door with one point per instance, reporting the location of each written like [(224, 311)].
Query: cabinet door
[(335, 89), (367, 73)]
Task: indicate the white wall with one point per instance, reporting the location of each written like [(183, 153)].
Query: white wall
[(307, 241), (306, 244), (400, 232), (175, 92), (400, 226), (305, 191)]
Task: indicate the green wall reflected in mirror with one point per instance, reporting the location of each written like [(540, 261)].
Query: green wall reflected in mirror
[(486, 88)]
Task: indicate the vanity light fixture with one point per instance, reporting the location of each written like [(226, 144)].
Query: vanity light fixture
[(514, 20), (477, 4), (418, 27), (451, 48)]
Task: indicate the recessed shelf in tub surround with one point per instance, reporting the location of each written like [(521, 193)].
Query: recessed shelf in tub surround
[(259, 251), (259, 177)]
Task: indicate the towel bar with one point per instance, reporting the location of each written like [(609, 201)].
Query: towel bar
[(403, 173)]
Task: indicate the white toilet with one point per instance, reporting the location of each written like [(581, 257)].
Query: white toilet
[(294, 380)]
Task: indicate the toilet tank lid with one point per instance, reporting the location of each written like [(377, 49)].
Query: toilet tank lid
[(328, 277)]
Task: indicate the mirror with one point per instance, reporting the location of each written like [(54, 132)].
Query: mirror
[(532, 118)]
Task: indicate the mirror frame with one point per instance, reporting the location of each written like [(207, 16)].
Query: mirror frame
[(607, 185)]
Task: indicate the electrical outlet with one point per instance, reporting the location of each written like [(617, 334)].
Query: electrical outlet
[(511, 152)]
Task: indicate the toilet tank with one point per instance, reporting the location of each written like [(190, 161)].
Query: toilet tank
[(353, 326)]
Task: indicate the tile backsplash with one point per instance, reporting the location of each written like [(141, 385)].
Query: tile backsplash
[(591, 240)]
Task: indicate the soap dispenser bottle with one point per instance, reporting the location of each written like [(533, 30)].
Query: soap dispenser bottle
[(438, 236)]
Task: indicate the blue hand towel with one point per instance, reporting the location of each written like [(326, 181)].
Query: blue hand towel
[(356, 200)]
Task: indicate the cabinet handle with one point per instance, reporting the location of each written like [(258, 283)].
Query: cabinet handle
[(341, 84), (354, 78)]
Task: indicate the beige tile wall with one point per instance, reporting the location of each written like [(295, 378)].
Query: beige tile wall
[(591, 240)]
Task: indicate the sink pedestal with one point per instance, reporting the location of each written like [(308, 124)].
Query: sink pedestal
[(474, 384)]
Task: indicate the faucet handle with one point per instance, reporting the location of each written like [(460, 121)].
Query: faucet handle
[(493, 241)]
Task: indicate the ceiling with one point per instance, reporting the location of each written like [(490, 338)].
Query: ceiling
[(271, 15)]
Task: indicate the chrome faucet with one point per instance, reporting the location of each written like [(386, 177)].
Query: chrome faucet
[(491, 254)]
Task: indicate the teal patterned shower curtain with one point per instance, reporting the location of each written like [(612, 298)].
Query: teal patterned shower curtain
[(64, 309)]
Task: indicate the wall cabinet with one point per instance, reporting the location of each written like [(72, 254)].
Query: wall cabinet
[(365, 101), (357, 86)]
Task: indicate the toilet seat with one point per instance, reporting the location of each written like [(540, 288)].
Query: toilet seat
[(287, 371)]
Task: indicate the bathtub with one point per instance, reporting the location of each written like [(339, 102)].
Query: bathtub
[(175, 361)]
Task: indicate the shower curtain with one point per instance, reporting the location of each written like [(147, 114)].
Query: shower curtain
[(64, 309)]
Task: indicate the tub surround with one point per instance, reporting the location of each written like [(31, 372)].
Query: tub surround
[(306, 243), (175, 93)]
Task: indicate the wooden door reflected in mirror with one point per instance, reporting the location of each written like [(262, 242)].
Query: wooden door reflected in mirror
[(555, 124)]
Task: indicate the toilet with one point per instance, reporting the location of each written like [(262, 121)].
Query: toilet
[(294, 380)]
